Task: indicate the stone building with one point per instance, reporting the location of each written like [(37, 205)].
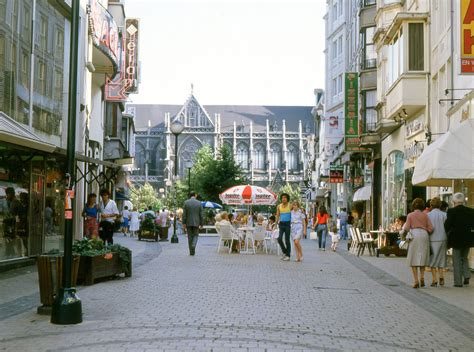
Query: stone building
[(269, 142)]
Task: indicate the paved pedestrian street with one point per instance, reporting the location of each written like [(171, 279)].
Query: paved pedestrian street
[(219, 302)]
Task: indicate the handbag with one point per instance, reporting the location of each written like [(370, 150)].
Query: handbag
[(313, 235), (403, 244), (409, 236)]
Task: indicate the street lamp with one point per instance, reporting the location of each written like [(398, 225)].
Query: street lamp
[(189, 165), (177, 128)]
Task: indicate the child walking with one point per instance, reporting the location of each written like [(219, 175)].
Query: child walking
[(334, 238), (297, 224)]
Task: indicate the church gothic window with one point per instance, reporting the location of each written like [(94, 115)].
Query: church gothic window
[(259, 157), (275, 155), (292, 157), (242, 156)]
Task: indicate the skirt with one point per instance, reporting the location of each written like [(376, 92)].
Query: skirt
[(296, 231), (438, 255), (419, 248)]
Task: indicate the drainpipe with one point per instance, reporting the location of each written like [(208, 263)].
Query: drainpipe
[(452, 57), (32, 64), (428, 76)]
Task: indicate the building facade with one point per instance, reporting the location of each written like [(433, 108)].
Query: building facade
[(34, 88), (268, 142)]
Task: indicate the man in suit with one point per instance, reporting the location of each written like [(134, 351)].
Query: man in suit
[(459, 226), (193, 219)]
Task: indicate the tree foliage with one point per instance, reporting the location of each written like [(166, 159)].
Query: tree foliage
[(293, 191), (212, 175), (144, 196), (177, 196)]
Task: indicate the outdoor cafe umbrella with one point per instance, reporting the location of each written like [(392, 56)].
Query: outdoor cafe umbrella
[(212, 205), (248, 195)]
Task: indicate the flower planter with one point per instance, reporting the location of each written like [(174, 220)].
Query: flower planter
[(102, 266), (147, 235)]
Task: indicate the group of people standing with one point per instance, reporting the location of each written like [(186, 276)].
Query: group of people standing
[(431, 231)]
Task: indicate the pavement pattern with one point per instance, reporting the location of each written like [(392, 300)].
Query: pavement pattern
[(230, 302)]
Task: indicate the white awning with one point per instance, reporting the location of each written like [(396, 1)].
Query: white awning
[(450, 157), (362, 194)]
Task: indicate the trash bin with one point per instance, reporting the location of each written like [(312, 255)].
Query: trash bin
[(50, 275)]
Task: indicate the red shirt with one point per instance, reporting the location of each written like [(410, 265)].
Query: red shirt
[(322, 219)]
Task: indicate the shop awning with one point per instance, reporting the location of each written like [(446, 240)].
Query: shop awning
[(450, 157), (16, 133), (362, 194)]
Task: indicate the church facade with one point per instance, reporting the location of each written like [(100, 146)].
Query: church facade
[(271, 143)]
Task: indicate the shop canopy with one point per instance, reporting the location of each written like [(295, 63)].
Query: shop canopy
[(450, 157), (362, 194)]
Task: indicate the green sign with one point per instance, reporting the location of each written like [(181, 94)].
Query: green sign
[(351, 112)]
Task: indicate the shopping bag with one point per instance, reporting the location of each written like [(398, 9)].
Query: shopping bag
[(313, 235)]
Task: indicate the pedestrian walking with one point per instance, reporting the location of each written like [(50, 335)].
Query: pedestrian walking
[(335, 237), (283, 217), (438, 242), (90, 213), (417, 227), (459, 227), (125, 220), (108, 213), (298, 222), (193, 219), (134, 222), (321, 226), (343, 216)]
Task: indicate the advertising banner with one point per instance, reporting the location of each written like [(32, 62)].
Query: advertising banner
[(351, 109), (336, 174), (467, 36)]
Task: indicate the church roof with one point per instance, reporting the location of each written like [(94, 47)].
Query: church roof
[(241, 114)]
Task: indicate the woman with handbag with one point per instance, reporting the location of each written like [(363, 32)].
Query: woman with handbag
[(417, 228), (438, 242), (321, 226)]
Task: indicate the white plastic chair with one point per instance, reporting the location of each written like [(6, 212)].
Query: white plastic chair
[(275, 244), (260, 236), (225, 234), (355, 240)]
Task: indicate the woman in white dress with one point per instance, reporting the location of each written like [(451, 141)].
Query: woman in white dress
[(297, 224), (134, 222)]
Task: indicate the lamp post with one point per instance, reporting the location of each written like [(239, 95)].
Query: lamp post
[(177, 128), (67, 307), (189, 165)]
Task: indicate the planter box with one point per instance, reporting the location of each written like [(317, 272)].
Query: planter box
[(147, 235), (98, 267)]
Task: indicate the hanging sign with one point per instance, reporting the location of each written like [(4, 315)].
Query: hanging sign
[(351, 108), (68, 204), (336, 174), (104, 30), (467, 36)]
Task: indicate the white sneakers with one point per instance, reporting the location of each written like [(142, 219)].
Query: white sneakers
[(286, 258)]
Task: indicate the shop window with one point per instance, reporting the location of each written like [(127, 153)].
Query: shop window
[(394, 188), (259, 161)]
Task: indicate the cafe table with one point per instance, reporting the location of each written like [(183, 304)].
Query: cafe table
[(245, 230)]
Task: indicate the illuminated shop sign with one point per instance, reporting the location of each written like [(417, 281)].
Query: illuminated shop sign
[(104, 30), (467, 36)]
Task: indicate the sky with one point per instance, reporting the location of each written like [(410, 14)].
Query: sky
[(233, 52)]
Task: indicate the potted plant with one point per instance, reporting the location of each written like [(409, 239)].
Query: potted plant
[(148, 229), (98, 261)]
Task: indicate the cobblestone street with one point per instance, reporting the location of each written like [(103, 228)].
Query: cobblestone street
[(330, 301)]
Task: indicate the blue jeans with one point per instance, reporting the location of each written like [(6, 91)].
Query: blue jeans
[(343, 230), (322, 231), (285, 228)]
